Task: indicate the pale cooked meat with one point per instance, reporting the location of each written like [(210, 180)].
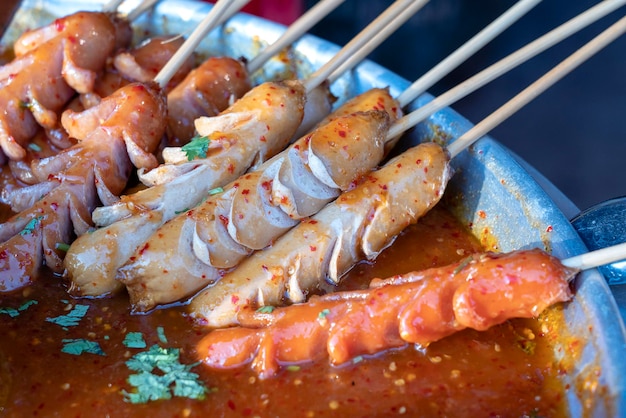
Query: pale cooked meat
[(356, 226), (192, 249), (251, 130)]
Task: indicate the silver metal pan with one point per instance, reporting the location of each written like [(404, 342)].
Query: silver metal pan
[(523, 209)]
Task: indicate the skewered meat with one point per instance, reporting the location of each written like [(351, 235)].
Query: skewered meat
[(206, 91), (251, 130), (140, 64), (358, 225), (74, 49), (123, 128), (419, 308), (249, 214)]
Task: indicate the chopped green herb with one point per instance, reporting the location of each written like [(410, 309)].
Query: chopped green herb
[(27, 305), (178, 212), (31, 225), (293, 368), (197, 147), (161, 335), (72, 318), (161, 375), (61, 246), (216, 191), (266, 309), (134, 340), (324, 313), (34, 147), (80, 345), (12, 312)]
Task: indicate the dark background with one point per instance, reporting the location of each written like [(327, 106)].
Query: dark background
[(574, 134)]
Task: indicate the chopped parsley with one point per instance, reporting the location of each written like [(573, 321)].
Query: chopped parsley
[(79, 346), (197, 147), (34, 147), (12, 312), (160, 375), (72, 318), (266, 309), (31, 225), (61, 246), (134, 340), (293, 368), (161, 335), (323, 314), (216, 190)]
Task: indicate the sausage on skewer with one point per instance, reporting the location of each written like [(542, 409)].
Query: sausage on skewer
[(218, 234), (255, 127), (416, 308), (358, 225)]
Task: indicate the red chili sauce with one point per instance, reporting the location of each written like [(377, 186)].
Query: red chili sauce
[(509, 370)]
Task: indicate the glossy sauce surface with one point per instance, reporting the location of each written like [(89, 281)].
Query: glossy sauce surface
[(508, 370)]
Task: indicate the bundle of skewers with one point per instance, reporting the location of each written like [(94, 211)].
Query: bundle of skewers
[(251, 195)]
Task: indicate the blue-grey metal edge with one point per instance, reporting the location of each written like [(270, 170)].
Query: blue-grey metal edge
[(516, 210)]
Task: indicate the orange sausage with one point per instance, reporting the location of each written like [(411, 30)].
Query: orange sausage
[(420, 308)]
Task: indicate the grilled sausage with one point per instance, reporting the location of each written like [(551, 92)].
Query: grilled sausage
[(418, 308), (225, 228), (356, 226), (250, 131)]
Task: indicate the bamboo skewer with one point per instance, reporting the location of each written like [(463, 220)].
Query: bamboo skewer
[(506, 64), (112, 5), (204, 27), (597, 258), (538, 87), (139, 10), (469, 48), (404, 8), (294, 31)]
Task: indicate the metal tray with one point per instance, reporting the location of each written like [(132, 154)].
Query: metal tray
[(489, 179)]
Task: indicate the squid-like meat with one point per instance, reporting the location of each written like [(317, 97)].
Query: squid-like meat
[(141, 64), (124, 129), (418, 308), (52, 64), (196, 248), (358, 225), (253, 129)]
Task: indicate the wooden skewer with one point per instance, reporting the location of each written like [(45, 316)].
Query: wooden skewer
[(204, 27), (294, 31), (351, 59), (400, 7), (112, 5), (501, 67), (538, 87), (597, 258), (465, 51), (140, 9)]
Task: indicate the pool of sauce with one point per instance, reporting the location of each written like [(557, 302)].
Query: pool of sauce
[(509, 370)]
